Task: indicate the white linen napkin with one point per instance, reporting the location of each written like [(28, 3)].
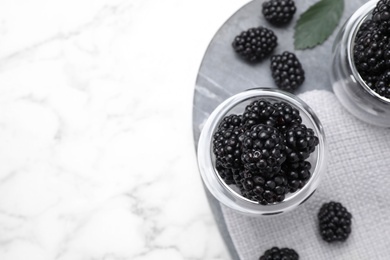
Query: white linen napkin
[(357, 175)]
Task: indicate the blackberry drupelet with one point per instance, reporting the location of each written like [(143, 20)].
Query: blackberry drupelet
[(227, 147), (262, 189), (287, 71), (279, 12), (302, 142), (255, 44), (284, 116), (263, 150), (334, 222), (382, 86), (276, 253), (257, 112)]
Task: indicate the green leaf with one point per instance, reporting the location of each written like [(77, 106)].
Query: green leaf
[(317, 23)]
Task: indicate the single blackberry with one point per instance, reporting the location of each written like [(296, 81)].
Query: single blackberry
[(263, 150), (369, 52), (230, 121), (334, 222), (287, 71), (367, 26), (284, 116), (225, 173), (276, 253), (227, 147), (264, 190), (302, 142), (255, 44), (381, 11), (382, 86), (279, 12), (257, 112), (297, 174)]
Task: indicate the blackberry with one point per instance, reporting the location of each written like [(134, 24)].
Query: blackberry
[(230, 121), (297, 175), (263, 150), (276, 253), (225, 173), (280, 114), (302, 142), (369, 52), (381, 11), (255, 43), (367, 26), (227, 147), (284, 116), (287, 71), (257, 112), (279, 12), (262, 189), (382, 86), (334, 222)]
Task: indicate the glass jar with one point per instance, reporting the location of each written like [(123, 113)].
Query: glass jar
[(348, 85), (225, 193)]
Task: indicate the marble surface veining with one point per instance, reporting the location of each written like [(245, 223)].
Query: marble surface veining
[(96, 148)]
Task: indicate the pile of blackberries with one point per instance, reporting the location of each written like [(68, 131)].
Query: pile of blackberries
[(264, 151), (371, 52), (255, 44)]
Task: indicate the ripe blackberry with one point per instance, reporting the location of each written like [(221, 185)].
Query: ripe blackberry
[(287, 71), (367, 26), (276, 253), (284, 116), (334, 222), (369, 52), (381, 11), (255, 44), (263, 150), (279, 12), (227, 147), (225, 173), (257, 112), (230, 121), (229, 175), (302, 142), (382, 86), (297, 174), (264, 190)]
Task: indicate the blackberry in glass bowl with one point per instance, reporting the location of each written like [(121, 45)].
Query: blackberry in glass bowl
[(262, 152)]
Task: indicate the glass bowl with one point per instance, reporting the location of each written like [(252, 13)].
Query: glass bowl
[(349, 87), (228, 195)]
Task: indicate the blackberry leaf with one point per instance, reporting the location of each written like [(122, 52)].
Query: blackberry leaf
[(317, 23)]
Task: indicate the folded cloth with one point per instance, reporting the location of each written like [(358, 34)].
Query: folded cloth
[(357, 175)]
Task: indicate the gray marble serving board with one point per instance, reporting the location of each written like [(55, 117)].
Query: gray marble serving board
[(223, 74)]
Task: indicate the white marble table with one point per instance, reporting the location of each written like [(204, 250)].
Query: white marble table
[(96, 147)]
